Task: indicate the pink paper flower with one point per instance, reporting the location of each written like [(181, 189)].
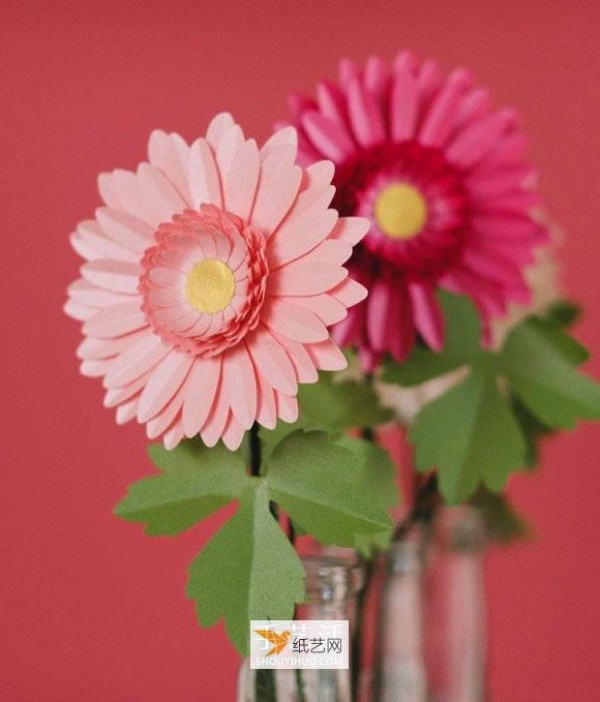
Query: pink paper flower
[(212, 275), (442, 179)]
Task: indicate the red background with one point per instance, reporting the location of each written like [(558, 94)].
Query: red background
[(91, 608)]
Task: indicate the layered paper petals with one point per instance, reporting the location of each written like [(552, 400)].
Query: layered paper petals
[(467, 219), (211, 276)]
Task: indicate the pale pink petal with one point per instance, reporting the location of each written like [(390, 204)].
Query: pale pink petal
[(218, 127), (239, 383), (298, 235), (320, 173), (173, 436), (115, 396), (277, 189), (163, 420), (293, 321), (310, 278), (170, 153), (233, 433), (349, 292), (301, 360), (271, 361), (127, 231), (78, 310), (139, 357), (108, 191), (335, 252), (93, 237), (313, 199), (117, 276), (287, 407), (217, 420), (118, 319), (229, 145), (85, 293), (350, 229), (327, 356), (95, 349), (204, 179), (239, 187), (287, 136), (200, 388), (95, 369), (84, 247), (165, 381), (127, 411), (266, 413), (327, 308)]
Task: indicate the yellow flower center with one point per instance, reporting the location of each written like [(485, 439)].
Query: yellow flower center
[(400, 211), (209, 286)]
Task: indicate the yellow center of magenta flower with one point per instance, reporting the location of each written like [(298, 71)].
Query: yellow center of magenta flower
[(400, 211), (209, 286)]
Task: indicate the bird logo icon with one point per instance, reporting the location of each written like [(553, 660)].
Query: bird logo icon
[(279, 641)]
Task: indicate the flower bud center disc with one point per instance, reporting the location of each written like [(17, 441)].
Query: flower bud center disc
[(209, 286), (400, 211)]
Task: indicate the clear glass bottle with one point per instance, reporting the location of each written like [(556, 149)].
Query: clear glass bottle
[(456, 608), (332, 584), (400, 674)]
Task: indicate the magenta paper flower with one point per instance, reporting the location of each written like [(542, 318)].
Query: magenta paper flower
[(441, 178), (212, 275)]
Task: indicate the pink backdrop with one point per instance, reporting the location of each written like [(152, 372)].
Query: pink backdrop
[(91, 608)]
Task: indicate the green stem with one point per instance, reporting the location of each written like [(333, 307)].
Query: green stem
[(367, 434), (265, 686), (255, 450), (424, 508), (301, 694), (356, 654)]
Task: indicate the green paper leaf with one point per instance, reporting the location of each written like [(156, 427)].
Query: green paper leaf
[(338, 405), (538, 360), (532, 429), (320, 484), (503, 523), (461, 347), (376, 472), (377, 476), (528, 389), (248, 570), (196, 482), (564, 313), (470, 435)]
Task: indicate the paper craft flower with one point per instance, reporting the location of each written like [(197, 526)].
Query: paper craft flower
[(211, 277), (441, 178)]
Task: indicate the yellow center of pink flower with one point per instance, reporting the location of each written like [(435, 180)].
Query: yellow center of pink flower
[(400, 211), (209, 286)]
